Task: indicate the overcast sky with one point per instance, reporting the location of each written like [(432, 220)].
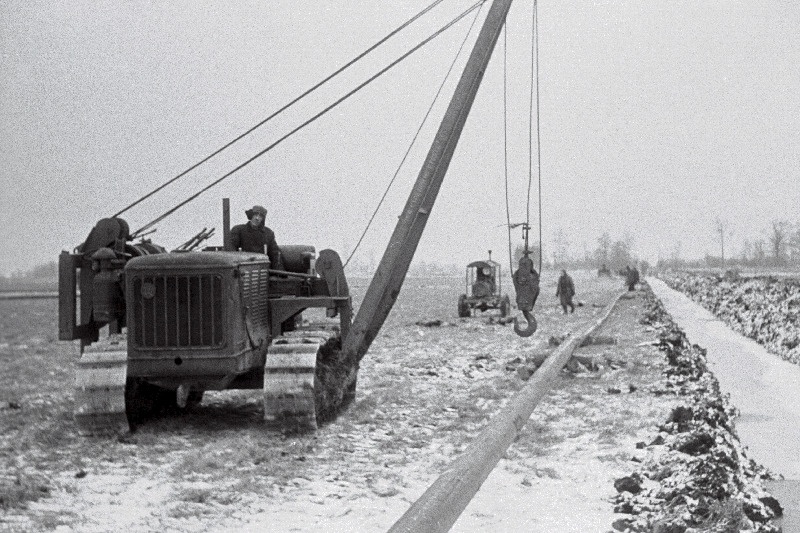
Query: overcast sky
[(656, 118)]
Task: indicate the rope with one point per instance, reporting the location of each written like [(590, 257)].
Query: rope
[(312, 119), (285, 107), (414, 139)]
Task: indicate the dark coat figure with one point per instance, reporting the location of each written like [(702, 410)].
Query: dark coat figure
[(631, 277), (256, 237), (565, 292)]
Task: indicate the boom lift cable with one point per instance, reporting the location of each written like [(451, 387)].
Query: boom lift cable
[(535, 60), (505, 140), (414, 139), (534, 94), (285, 107), (534, 87), (509, 225), (313, 118), (530, 137), (526, 282)]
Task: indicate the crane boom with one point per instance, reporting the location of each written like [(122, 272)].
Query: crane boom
[(391, 272)]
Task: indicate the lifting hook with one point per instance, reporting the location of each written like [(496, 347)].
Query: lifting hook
[(526, 283), (530, 329)]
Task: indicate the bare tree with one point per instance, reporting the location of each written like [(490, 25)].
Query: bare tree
[(588, 256), (794, 245), (603, 248), (747, 252), (759, 256), (560, 248), (778, 240), (675, 255), (620, 255), (629, 241), (723, 229)]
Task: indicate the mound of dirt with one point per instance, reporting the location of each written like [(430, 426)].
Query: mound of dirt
[(764, 309), (335, 381), (695, 475)]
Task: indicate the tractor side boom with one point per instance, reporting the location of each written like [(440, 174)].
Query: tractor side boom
[(391, 272)]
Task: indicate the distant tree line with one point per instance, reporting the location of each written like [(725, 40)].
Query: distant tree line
[(615, 254), (45, 271), (42, 277), (777, 247)]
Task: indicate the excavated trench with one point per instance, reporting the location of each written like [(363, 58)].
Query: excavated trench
[(696, 475)]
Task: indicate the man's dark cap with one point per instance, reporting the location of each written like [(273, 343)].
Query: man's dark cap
[(256, 209)]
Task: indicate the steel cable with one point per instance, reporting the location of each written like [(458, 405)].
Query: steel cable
[(413, 140), (312, 119), (505, 142), (535, 88), (538, 126), (285, 107)]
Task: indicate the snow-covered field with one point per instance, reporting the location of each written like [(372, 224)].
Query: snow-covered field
[(424, 393)]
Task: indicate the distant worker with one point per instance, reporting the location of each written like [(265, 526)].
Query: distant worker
[(631, 277), (604, 271), (565, 292), (256, 237)]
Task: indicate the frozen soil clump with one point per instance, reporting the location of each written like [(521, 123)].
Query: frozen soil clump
[(694, 475), (765, 309)]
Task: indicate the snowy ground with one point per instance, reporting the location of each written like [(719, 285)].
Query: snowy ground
[(424, 393), (762, 386)]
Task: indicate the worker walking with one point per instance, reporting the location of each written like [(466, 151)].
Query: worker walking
[(565, 292), (631, 277)]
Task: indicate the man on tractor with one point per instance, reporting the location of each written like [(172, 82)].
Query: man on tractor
[(256, 237)]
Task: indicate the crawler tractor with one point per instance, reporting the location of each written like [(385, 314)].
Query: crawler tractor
[(182, 323)]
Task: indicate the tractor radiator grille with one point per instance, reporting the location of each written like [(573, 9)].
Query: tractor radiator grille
[(178, 311), (255, 285)]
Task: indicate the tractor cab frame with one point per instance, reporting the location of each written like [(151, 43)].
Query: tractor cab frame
[(483, 290)]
